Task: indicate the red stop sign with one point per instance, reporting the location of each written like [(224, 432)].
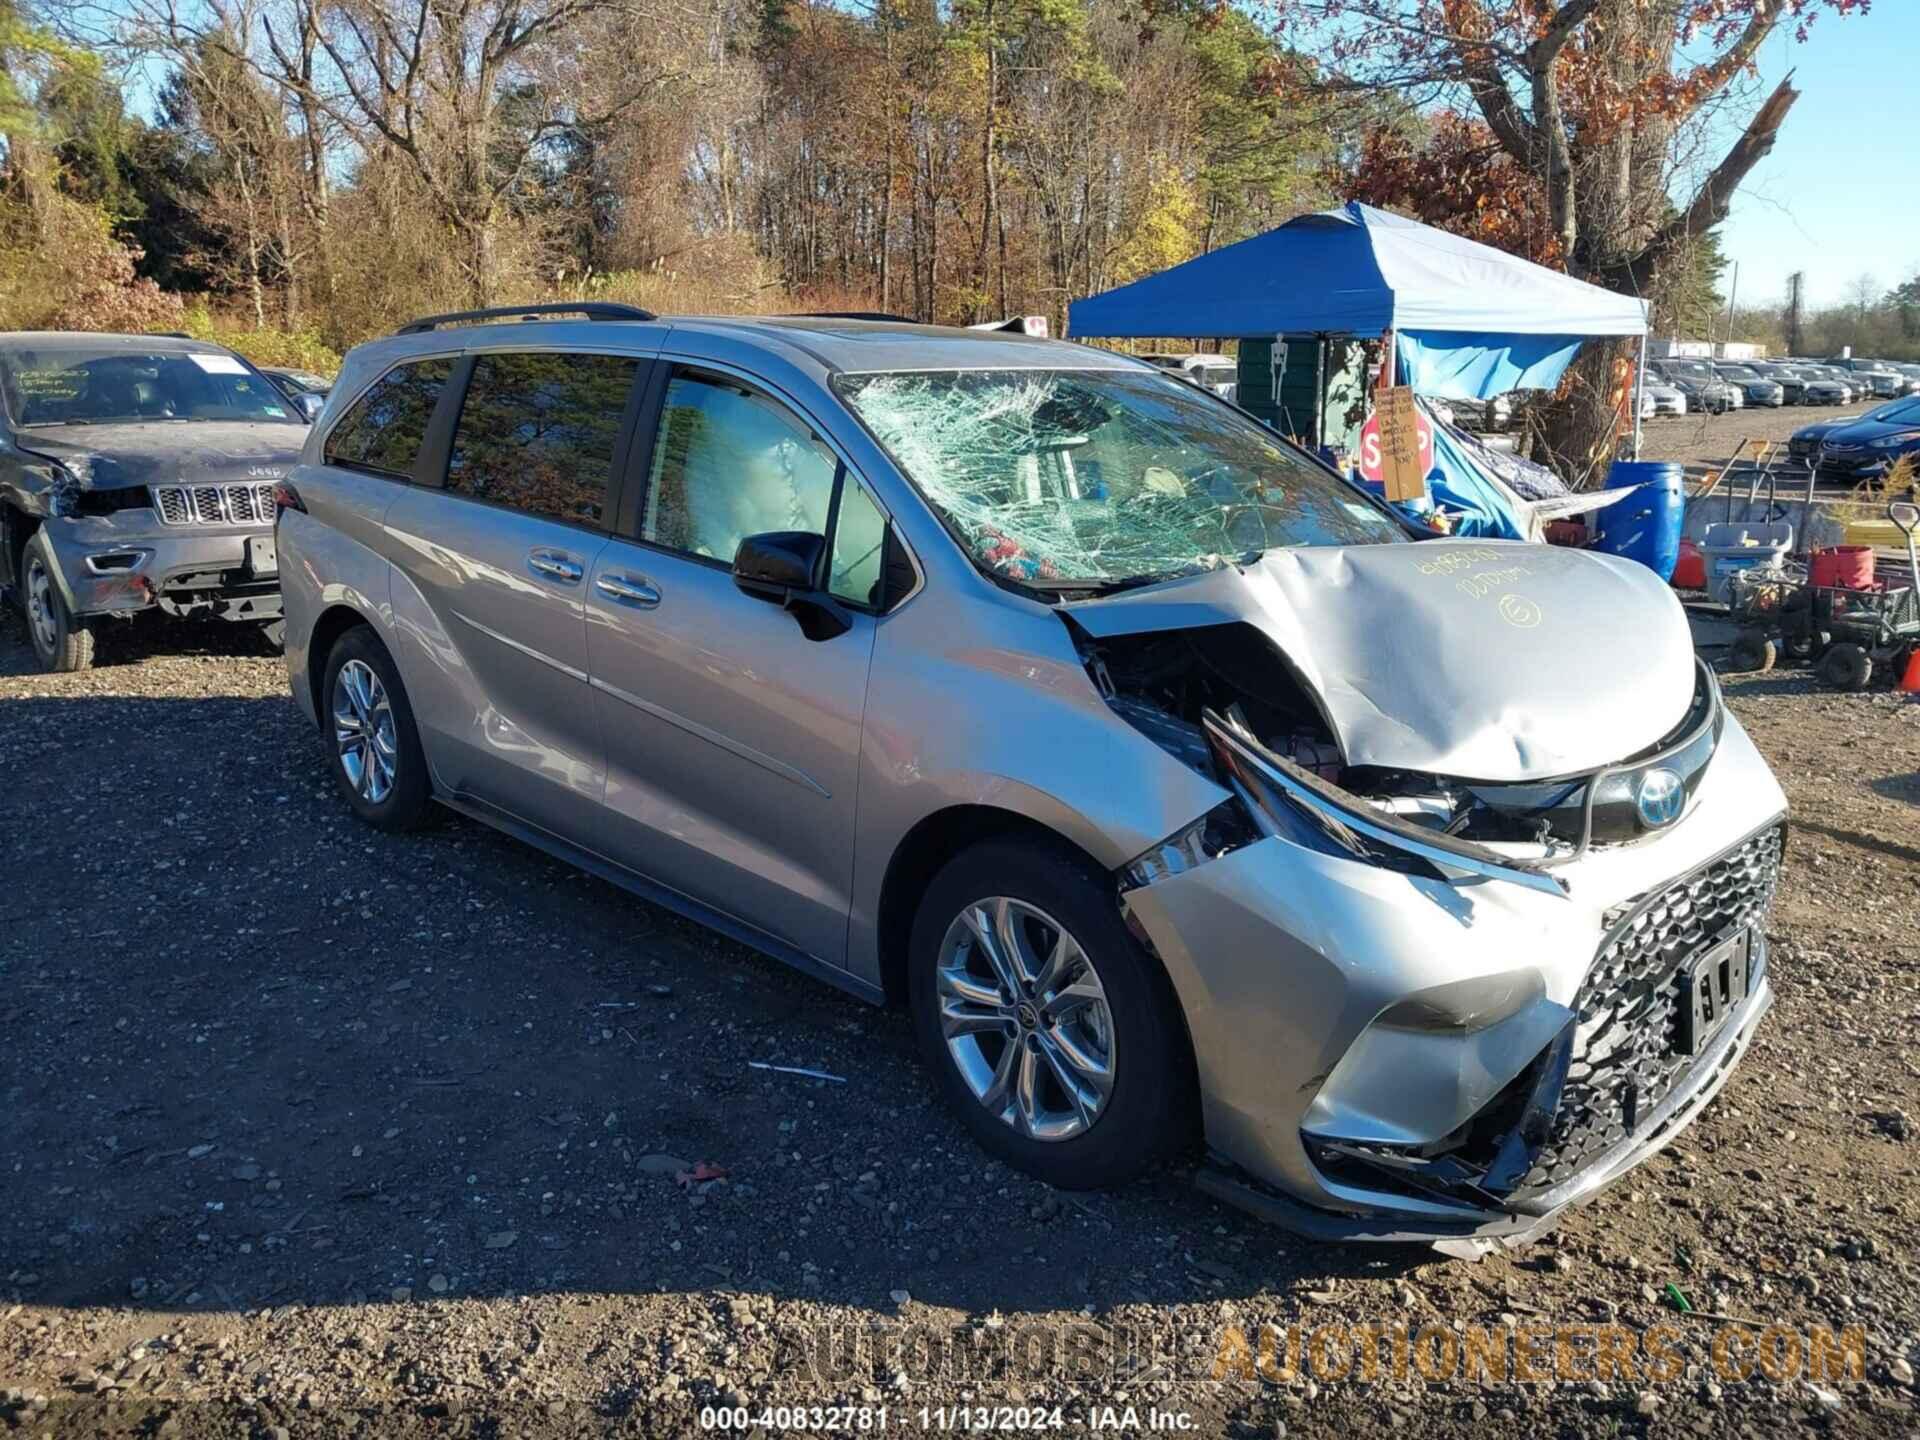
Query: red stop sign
[(1369, 451)]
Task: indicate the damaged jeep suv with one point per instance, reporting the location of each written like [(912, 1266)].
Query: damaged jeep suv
[(137, 473), (1177, 792)]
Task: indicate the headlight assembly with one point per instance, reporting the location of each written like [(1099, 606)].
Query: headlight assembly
[(1291, 804)]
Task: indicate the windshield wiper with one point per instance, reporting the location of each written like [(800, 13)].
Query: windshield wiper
[(1099, 587)]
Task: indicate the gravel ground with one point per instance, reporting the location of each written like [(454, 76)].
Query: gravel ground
[(1710, 440), (312, 1130)]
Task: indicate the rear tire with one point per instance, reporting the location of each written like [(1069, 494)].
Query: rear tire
[(1847, 667), (62, 642), (1078, 1091), (1808, 645), (373, 745), (1752, 649)]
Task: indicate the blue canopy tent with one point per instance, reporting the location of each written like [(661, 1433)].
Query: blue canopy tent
[(1468, 321)]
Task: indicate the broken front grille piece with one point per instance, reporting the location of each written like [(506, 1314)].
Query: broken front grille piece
[(214, 504), (1622, 1054), (1627, 1053)]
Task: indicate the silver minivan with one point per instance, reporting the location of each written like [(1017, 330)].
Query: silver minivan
[(1186, 802)]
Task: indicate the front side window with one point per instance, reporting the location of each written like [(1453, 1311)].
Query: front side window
[(1100, 478), (537, 432), (730, 462), (80, 384), (857, 569), (386, 426)]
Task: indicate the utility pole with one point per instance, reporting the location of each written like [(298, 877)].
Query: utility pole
[(1733, 294), (1796, 309)]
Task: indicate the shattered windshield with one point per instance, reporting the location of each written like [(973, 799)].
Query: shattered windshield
[(88, 385), (1095, 478)]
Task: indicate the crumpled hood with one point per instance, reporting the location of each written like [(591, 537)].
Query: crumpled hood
[(169, 452), (1483, 659)]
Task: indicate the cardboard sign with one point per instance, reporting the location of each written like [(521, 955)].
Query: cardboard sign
[(1396, 445)]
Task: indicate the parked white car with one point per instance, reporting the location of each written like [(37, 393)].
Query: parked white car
[(1659, 398), (1217, 373)]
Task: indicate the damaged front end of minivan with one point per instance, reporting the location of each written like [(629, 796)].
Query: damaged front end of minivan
[(1447, 968)]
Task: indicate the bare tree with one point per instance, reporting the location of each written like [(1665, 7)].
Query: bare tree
[(1863, 293)]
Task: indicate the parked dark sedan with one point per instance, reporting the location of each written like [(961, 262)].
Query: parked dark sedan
[(1754, 388), (1792, 387), (1863, 445)]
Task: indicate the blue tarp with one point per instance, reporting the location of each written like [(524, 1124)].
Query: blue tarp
[(1361, 271), (1458, 483), (1478, 367)]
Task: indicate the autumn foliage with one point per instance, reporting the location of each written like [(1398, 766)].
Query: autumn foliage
[(1459, 178)]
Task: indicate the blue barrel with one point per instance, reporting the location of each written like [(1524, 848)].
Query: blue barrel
[(1646, 525)]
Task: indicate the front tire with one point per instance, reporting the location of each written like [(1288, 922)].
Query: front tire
[(1051, 1033), (62, 641), (372, 741)]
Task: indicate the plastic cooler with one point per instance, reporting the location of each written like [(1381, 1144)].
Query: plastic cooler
[(1741, 546), (1646, 525)]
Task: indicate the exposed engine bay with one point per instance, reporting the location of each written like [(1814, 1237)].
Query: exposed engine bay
[(1224, 700)]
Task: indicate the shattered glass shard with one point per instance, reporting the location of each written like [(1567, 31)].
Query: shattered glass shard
[(1102, 477)]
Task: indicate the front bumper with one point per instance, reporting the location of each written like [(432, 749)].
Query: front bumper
[(1288, 962), (126, 562), (1861, 462), (1473, 1234)]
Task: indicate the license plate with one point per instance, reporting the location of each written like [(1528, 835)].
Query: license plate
[(262, 556), (1715, 985)]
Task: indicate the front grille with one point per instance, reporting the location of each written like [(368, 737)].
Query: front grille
[(1625, 1058), (214, 504)]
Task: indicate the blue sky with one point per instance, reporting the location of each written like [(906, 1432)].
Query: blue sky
[(1840, 194)]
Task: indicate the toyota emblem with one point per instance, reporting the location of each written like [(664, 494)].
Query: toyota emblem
[(1659, 798)]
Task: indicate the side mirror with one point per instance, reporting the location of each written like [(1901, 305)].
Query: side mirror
[(778, 567), (775, 563), (310, 405)]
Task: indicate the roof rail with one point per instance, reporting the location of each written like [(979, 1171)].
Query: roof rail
[(592, 309), (853, 315)]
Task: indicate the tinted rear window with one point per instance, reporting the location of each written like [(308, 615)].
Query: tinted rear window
[(384, 429), (537, 432)]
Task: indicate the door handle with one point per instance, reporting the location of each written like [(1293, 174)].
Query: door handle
[(628, 590), (555, 566)]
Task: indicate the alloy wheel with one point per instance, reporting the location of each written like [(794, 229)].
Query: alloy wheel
[(363, 731), (40, 613), (1025, 1019)]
